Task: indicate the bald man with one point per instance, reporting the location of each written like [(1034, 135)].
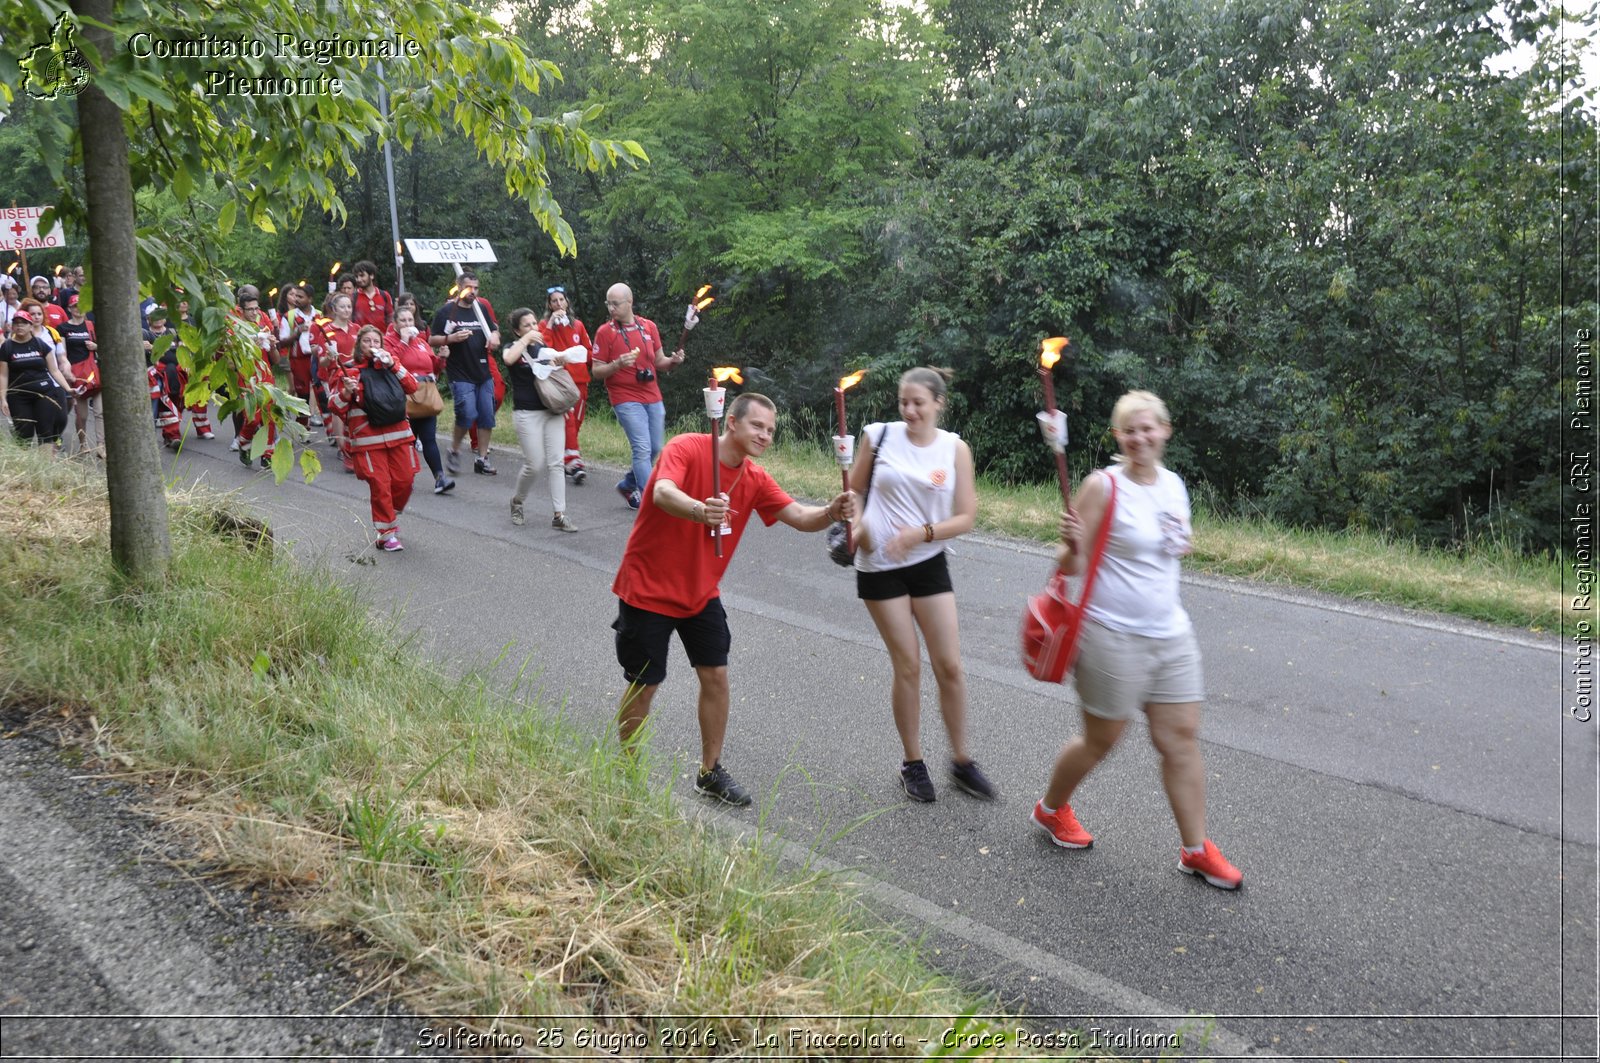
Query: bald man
[(627, 356)]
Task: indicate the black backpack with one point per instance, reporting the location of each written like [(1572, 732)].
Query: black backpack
[(382, 397)]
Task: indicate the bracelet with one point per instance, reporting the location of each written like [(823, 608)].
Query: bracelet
[(927, 533), (830, 509), (699, 512)]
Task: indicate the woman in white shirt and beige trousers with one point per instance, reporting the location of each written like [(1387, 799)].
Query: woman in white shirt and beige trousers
[(1137, 650)]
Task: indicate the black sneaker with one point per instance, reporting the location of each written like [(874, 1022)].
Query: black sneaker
[(484, 467), (719, 784), (971, 778), (914, 779)]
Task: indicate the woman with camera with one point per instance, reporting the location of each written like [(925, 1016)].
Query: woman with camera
[(540, 430)]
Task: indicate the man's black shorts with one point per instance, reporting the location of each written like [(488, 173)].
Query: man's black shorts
[(643, 639)]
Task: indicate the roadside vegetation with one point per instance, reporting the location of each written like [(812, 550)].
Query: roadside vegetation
[(1487, 579), (494, 861)]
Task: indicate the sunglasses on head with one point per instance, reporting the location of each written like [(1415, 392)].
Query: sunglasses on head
[(557, 288)]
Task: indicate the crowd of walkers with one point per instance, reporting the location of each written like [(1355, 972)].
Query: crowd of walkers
[(370, 370)]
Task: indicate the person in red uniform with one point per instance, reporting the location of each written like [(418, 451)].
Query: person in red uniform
[(409, 346), (561, 330), (293, 327), (373, 305), (254, 325), (669, 577), (385, 454), (335, 345)]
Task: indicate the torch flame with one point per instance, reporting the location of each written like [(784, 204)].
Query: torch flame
[(704, 290), (13, 267), (701, 304), (334, 272), (302, 282), (847, 382), (397, 250), (58, 270), (453, 289), (273, 294), (1050, 351), (727, 373)]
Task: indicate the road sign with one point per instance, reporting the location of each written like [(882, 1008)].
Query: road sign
[(19, 230), (467, 250)]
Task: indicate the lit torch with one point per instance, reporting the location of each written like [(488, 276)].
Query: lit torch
[(333, 275), (1053, 422), (715, 395), (702, 299), (844, 445)]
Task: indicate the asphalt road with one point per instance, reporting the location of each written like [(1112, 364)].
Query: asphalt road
[(1414, 812)]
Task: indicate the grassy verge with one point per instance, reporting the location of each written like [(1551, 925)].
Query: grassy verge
[(1486, 583), (498, 862)]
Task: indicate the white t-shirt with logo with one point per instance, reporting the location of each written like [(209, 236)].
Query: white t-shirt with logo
[(911, 486)]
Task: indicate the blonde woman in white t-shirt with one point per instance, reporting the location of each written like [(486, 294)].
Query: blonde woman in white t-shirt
[(921, 495), (1138, 650)]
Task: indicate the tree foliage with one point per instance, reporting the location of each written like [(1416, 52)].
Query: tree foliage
[(264, 159)]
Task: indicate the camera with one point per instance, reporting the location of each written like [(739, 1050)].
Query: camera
[(644, 376)]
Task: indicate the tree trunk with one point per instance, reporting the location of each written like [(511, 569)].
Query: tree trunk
[(140, 546)]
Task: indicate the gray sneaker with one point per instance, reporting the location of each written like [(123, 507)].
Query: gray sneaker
[(452, 462), (719, 784), (914, 780), (971, 778), (560, 523), (517, 516)]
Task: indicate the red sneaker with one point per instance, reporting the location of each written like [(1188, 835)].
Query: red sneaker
[(1063, 827), (1210, 865)]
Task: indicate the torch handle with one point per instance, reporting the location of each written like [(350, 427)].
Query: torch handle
[(849, 528), (716, 485)]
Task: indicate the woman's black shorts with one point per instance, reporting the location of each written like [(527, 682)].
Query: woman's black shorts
[(921, 580)]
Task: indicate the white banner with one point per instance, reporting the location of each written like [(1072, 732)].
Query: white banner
[(468, 250), (19, 230)]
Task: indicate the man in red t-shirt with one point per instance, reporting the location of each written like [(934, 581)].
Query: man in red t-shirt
[(371, 305), (627, 355), (669, 576)]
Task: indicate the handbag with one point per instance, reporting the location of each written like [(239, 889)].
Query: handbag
[(838, 534), (557, 390), (1053, 622), (88, 374), (425, 401)]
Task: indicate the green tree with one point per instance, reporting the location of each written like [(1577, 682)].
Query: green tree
[(180, 123)]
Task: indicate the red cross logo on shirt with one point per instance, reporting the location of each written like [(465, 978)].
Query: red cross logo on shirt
[(18, 228)]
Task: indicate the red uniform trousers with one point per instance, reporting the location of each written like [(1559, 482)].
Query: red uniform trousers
[(574, 422), (388, 472)]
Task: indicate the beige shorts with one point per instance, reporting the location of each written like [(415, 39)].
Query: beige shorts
[(1117, 674)]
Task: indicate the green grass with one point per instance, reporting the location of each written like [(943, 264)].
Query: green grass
[(1488, 582), (493, 858)]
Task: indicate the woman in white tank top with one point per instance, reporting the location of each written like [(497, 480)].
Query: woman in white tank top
[(1137, 650), (921, 494)]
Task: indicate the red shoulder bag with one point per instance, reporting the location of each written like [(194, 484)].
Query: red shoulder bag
[(1053, 622)]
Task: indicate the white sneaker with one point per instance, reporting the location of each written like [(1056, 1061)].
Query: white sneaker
[(234, 446)]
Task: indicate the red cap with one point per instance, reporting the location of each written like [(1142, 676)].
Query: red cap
[(25, 316)]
